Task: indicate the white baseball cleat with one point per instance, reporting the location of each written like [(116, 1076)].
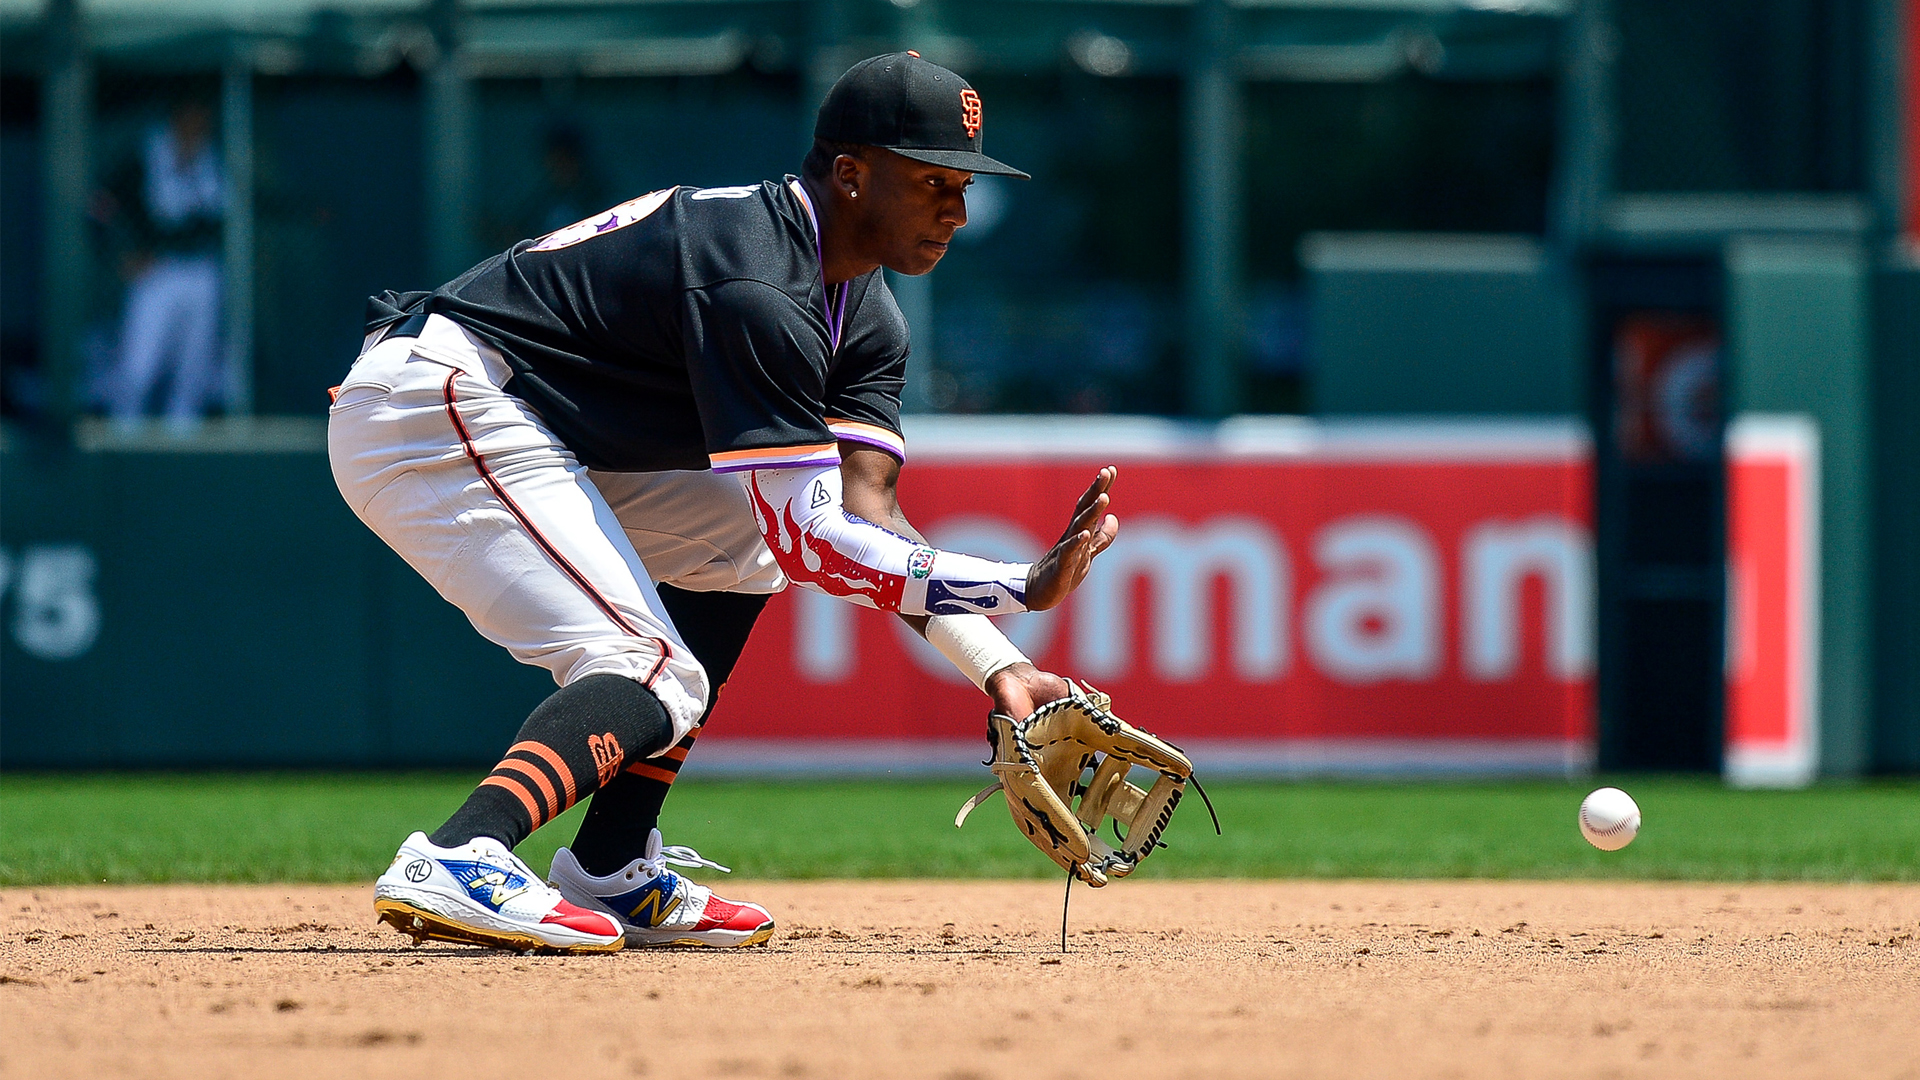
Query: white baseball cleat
[(482, 894), (660, 907)]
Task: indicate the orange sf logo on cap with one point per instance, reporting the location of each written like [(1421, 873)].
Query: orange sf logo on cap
[(970, 112)]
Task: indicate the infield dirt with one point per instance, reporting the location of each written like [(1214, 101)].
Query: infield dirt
[(955, 980)]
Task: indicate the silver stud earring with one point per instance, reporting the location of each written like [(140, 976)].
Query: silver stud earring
[(853, 194)]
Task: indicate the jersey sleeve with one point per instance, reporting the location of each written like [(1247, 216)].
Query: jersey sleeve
[(863, 387), (757, 362)]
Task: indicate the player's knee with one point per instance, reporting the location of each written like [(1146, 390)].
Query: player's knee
[(689, 677), (677, 679)]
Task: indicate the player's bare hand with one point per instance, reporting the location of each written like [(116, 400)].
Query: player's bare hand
[(1021, 688), (1091, 532)]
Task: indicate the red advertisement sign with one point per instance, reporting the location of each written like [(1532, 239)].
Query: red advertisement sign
[(1296, 597), (1910, 63), (1285, 596), (1773, 563)]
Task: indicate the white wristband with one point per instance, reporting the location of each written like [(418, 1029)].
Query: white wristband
[(974, 645)]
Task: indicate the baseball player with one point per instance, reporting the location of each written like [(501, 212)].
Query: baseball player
[(699, 388)]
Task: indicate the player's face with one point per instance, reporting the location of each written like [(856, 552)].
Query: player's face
[(915, 211)]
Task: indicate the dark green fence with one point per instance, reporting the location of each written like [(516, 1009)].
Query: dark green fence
[(226, 609)]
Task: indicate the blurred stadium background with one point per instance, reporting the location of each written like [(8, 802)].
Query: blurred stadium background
[(1348, 286)]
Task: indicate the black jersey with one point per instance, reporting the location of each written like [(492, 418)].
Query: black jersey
[(691, 328)]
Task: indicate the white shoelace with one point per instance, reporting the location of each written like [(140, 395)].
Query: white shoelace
[(678, 855), (521, 868)]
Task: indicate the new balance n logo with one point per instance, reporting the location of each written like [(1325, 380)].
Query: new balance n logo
[(657, 900)]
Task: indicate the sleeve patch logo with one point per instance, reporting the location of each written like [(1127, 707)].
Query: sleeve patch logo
[(604, 222), (970, 112), (920, 563), (819, 497)]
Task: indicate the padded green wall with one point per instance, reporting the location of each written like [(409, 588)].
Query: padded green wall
[(1441, 324), (245, 618), (1799, 336)]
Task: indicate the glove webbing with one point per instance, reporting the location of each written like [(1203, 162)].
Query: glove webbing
[(1031, 752)]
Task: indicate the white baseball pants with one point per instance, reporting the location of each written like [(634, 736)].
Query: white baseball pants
[(172, 327), (543, 556)]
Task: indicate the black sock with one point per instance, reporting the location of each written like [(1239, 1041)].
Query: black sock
[(573, 744), (715, 625)]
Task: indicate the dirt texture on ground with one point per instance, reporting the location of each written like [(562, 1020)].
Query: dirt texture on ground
[(953, 980)]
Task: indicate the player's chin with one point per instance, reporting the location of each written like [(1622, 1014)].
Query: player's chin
[(923, 257)]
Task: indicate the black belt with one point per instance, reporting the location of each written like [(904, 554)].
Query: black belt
[(407, 327), (401, 328)]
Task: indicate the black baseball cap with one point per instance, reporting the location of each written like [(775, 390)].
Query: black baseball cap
[(913, 107)]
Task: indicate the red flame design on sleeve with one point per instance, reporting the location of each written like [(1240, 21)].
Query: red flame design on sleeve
[(812, 560)]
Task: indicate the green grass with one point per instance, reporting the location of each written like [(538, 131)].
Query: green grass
[(62, 829)]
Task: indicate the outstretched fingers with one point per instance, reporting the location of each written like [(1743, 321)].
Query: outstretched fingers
[(1091, 532), (1093, 502), (1096, 527), (1103, 536), (1078, 552)]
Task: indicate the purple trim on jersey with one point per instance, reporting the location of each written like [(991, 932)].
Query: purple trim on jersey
[(797, 463), (812, 218), (836, 307), (804, 457), (837, 319), (892, 449)]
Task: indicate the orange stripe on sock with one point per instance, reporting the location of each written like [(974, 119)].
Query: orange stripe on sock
[(552, 758), (678, 753), (519, 791), (665, 763), (533, 773), (651, 772)]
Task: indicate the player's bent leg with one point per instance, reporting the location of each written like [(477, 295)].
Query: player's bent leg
[(715, 625), (469, 486), (574, 743), (465, 884), (657, 906), (472, 489), (480, 893)]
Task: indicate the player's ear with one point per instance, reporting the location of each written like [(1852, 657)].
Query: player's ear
[(850, 175)]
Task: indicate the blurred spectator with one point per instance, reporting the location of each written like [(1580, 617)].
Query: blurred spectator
[(168, 227), (569, 190)]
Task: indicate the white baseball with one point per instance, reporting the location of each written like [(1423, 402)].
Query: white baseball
[(1609, 819)]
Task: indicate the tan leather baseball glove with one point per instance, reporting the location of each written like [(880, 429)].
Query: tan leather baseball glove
[(1042, 763)]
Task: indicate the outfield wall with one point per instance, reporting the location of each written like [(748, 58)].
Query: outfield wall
[(1287, 597), (217, 604)]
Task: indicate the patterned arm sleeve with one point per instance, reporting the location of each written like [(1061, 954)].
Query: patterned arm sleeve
[(823, 547)]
